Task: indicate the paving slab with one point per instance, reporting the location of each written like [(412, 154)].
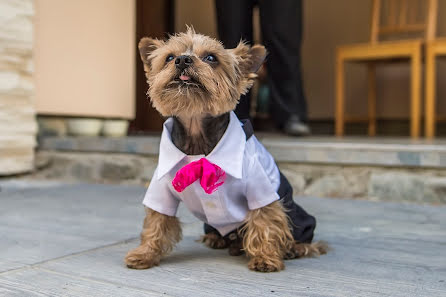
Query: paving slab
[(379, 249), (39, 282), (42, 221)]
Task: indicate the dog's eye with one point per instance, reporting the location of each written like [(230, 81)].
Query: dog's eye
[(210, 58), (169, 58)]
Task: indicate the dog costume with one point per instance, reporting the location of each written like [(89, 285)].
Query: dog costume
[(246, 178)]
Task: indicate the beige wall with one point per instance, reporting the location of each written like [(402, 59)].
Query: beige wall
[(84, 57), (326, 25)]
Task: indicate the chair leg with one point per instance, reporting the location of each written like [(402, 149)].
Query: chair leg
[(415, 102), (340, 96), (429, 125), (372, 98)]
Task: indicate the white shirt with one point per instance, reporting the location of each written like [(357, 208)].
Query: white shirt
[(252, 179)]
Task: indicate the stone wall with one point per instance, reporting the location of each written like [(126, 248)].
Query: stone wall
[(420, 185), (17, 117)]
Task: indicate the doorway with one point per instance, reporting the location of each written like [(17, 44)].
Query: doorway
[(154, 18)]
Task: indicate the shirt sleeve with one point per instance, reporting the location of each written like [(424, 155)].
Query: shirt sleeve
[(259, 189), (160, 198)]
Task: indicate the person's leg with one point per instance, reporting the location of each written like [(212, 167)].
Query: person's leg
[(234, 22), (281, 23)]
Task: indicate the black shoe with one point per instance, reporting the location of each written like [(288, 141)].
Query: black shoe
[(295, 127)]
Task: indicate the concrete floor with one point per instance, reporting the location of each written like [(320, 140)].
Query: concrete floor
[(70, 240)]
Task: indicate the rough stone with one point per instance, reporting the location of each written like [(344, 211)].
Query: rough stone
[(13, 143), (148, 170), (373, 183), (327, 186), (407, 187), (16, 153), (113, 171), (357, 182), (296, 179), (436, 188), (17, 116), (17, 162), (396, 186), (389, 184), (94, 167), (42, 161), (344, 184)]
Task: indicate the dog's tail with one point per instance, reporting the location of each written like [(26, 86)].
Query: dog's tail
[(307, 250)]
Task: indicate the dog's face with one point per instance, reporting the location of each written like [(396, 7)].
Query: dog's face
[(194, 75)]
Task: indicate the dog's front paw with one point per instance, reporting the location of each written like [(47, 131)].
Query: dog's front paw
[(264, 264), (141, 258)]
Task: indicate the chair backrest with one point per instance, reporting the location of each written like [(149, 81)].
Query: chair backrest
[(392, 18)]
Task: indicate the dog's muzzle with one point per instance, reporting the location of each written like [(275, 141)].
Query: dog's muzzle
[(182, 62)]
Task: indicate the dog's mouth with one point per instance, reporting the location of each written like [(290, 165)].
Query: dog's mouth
[(184, 79)]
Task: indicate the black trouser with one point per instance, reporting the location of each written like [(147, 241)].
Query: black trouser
[(281, 25), (303, 224)]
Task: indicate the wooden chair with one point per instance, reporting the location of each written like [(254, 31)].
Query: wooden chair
[(434, 49), (391, 19)]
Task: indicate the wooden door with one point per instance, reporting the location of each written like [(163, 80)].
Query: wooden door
[(154, 18)]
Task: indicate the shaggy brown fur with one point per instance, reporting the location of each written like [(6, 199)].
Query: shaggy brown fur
[(214, 88), (200, 106), (267, 237), (266, 229), (307, 250), (214, 241), (159, 235), (234, 242)]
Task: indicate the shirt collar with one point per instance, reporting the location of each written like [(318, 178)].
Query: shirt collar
[(227, 154)]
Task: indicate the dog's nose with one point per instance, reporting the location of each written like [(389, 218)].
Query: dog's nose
[(182, 62)]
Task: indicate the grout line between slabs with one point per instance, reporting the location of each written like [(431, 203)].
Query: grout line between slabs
[(27, 266), (98, 281)]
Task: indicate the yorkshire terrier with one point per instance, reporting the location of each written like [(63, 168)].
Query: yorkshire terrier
[(212, 162)]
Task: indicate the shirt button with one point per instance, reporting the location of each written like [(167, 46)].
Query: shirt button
[(210, 204)]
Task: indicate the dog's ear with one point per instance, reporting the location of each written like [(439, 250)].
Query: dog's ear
[(249, 58), (146, 46)]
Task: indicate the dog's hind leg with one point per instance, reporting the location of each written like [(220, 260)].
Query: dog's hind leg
[(212, 238), (266, 237), (214, 241), (236, 247), (306, 250), (160, 234)]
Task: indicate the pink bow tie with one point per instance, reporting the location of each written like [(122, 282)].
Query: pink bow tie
[(211, 176)]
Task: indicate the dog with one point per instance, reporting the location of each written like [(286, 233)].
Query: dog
[(210, 160)]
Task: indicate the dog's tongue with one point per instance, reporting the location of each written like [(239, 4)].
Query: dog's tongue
[(184, 77)]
